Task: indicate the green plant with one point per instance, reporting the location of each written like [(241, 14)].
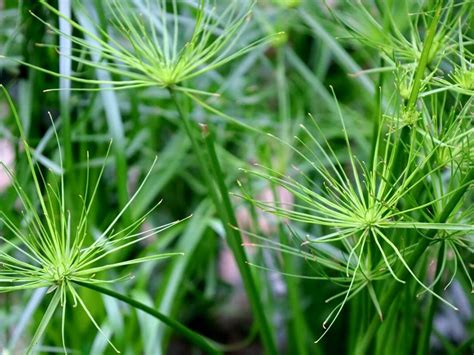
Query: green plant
[(154, 58), (59, 254), (357, 216), (384, 214), (151, 53)]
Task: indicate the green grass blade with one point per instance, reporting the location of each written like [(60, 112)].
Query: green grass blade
[(53, 305)]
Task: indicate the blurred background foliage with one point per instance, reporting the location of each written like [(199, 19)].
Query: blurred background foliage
[(272, 89)]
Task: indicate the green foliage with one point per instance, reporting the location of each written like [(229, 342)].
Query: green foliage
[(327, 168)]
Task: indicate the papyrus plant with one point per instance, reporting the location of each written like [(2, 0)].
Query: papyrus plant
[(384, 213), (52, 248), (363, 208), (149, 45)]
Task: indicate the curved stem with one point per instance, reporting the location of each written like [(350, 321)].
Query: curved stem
[(204, 343)]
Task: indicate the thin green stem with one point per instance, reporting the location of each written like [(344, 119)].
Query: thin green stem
[(235, 243), (374, 146), (423, 344), (420, 70), (377, 119), (414, 93), (220, 196), (200, 155), (202, 342)]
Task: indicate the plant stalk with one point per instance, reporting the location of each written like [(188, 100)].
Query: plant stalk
[(423, 344), (415, 90), (235, 243), (204, 343), (420, 70), (213, 176)]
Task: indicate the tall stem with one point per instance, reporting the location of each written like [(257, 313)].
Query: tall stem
[(424, 58), (415, 91), (214, 178), (204, 343), (424, 343), (296, 326), (396, 167)]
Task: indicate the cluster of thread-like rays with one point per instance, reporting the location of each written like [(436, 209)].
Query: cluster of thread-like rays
[(153, 46), (346, 268), (359, 205), (54, 249), (397, 44), (450, 57), (365, 199), (450, 135), (462, 72)]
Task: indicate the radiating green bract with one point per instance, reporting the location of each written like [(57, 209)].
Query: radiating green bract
[(50, 250), (376, 213), (361, 206), (149, 45)]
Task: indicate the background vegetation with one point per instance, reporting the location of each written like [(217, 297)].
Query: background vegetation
[(371, 232)]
